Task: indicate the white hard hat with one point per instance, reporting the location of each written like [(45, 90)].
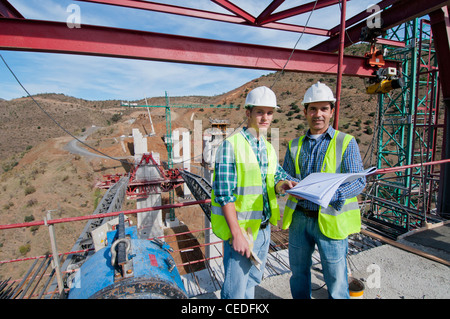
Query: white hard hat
[(318, 92), (261, 96)]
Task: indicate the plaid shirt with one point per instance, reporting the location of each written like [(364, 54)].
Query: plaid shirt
[(225, 169), (311, 159)]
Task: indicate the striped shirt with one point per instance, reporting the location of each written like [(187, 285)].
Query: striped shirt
[(311, 158), (225, 181)]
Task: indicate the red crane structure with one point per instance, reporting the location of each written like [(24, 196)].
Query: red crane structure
[(167, 180), (17, 33)]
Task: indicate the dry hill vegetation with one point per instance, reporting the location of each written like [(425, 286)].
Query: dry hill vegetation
[(37, 174)]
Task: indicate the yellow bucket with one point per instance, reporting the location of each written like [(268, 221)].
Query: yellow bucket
[(356, 288)]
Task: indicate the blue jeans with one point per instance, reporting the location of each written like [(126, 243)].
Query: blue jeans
[(304, 233), (241, 276)]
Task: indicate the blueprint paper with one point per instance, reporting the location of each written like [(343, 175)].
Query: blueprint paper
[(319, 188)]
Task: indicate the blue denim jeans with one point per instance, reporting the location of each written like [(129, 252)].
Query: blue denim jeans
[(304, 233), (241, 276)]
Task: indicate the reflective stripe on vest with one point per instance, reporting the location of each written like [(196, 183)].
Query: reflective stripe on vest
[(333, 224), (249, 192)]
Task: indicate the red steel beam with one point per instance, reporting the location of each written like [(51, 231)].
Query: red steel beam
[(398, 13), (236, 10), (56, 37), (8, 11), (268, 11), (340, 59), (392, 43), (296, 28), (440, 25), (362, 15), (103, 215), (171, 9), (202, 14), (299, 10), (402, 168)]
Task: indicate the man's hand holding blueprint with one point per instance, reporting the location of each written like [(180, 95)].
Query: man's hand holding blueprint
[(319, 188)]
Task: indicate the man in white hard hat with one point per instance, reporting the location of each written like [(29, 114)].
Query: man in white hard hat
[(246, 179), (322, 149)]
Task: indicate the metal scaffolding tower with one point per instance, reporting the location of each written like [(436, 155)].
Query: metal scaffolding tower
[(408, 131)]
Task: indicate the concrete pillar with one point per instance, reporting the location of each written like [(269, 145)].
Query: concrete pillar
[(176, 147), (149, 224), (140, 143), (186, 142)]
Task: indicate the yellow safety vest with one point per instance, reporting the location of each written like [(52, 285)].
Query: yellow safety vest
[(249, 192), (332, 223)]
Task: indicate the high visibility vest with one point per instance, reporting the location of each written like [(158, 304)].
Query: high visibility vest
[(249, 190), (332, 223)]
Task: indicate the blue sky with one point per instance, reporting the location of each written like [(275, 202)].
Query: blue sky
[(99, 78)]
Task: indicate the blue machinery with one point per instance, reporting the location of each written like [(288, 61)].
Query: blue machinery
[(127, 268)]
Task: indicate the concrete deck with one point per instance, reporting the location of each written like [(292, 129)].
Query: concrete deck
[(388, 272)]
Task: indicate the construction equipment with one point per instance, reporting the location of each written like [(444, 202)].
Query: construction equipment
[(384, 79), (142, 185), (126, 268)]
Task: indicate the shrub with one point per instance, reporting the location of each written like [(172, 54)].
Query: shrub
[(116, 118), (29, 190), (24, 249), (31, 202), (9, 166), (28, 219)]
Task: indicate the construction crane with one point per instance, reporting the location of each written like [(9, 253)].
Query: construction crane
[(168, 136)]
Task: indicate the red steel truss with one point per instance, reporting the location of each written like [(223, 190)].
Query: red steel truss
[(55, 37), (18, 33), (137, 188), (21, 34), (46, 36)]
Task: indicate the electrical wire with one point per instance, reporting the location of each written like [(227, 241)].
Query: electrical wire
[(68, 132), (295, 46), (54, 120)]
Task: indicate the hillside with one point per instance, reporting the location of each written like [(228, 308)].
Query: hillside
[(38, 174)]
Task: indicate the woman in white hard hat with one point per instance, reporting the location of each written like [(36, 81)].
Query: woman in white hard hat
[(322, 149), (247, 177)]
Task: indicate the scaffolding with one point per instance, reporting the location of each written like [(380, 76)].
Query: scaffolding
[(408, 131)]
